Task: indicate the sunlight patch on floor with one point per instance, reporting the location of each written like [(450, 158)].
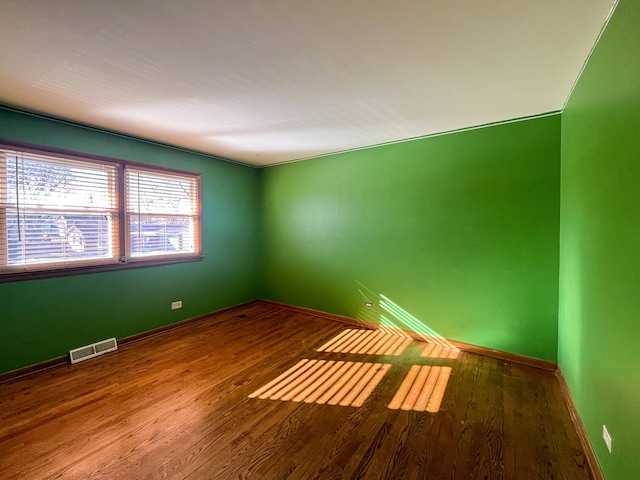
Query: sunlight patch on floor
[(422, 389), (325, 382), (432, 350), (367, 342)]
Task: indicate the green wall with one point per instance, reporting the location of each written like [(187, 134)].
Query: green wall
[(455, 235), (43, 319), (599, 316)]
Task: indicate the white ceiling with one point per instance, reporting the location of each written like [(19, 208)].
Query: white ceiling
[(279, 80)]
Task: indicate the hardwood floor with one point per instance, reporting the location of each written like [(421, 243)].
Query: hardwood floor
[(177, 406)]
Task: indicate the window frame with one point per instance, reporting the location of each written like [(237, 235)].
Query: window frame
[(193, 215), (121, 244)]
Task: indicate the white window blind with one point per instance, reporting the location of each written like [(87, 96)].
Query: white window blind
[(56, 212), (162, 213)]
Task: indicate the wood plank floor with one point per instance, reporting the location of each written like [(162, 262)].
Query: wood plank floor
[(177, 406)]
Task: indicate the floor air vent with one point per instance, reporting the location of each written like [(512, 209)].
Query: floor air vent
[(93, 350)]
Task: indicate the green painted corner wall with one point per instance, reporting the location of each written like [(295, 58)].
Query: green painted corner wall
[(455, 235), (599, 315), (43, 319)]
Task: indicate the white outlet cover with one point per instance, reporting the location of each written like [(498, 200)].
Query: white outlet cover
[(606, 437)]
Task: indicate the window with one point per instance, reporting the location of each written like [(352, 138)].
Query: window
[(63, 213), (162, 213)]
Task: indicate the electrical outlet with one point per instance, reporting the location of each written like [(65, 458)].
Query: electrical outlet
[(606, 437), (176, 305)]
